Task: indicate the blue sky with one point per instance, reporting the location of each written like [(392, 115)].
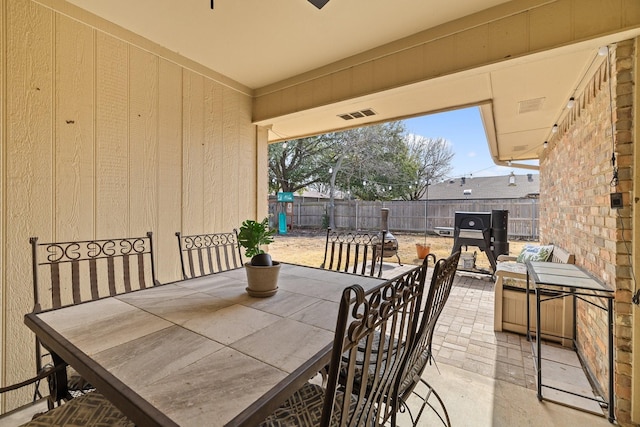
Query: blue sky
[(463, 129)]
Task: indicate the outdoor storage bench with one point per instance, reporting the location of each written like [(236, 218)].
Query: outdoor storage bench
[(510, 294)]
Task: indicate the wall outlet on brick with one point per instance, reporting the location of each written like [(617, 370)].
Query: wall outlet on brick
[(616, 200)]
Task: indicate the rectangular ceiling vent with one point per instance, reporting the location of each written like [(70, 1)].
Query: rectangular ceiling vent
[(358, 114), (530, 105), (519, 147)]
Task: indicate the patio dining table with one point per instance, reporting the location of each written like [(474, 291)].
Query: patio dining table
[(201, 351)]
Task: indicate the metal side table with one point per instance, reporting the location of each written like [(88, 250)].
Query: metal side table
[(557, 280)]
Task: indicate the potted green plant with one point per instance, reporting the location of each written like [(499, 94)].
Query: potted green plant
[(262, 271)]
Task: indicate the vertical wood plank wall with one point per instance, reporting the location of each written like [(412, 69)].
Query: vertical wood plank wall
[(103, 138), (3, 168)]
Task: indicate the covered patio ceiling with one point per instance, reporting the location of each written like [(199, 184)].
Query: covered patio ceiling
[(259, 43)]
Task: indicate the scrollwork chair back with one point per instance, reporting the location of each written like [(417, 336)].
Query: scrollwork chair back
[(435, 299), (204, 254), (355, 252), (69, 273), (361, 388)]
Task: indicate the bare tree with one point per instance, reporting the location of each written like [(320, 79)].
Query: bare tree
[(432, 157)]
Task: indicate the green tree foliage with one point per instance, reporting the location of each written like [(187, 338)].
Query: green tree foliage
[(370, 161), (298, 164), (377, 162), (364, 161)]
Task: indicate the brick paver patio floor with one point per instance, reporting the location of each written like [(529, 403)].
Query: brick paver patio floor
[(465, 338)]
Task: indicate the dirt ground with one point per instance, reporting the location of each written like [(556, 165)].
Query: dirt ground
[(307, 248)]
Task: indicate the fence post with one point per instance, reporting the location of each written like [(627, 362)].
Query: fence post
[(531, 226), (426, 214)]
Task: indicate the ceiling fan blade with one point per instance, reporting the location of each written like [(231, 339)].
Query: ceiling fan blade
[(318, 3)]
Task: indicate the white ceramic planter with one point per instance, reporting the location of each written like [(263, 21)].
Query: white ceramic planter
[(262, 280)]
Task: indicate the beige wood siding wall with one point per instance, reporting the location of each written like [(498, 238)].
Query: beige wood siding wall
[(104, 138)]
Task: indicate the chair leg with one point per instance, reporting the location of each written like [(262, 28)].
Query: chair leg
[(405, 408), (399, 263), (442, 414)]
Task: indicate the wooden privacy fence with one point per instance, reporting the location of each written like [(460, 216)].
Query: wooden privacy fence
[(409, 216)]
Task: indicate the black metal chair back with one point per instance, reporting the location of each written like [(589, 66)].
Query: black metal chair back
[(69, 273), (204, 254), (365, 366), (356, 252), (439, 290)]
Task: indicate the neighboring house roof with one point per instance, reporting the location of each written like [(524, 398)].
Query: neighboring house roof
[(486, 187), (312, 194), (489, 187)]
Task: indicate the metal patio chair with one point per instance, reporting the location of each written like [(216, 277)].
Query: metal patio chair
[(46, 374), (438, 293), (68, 273), (356, 252), (204, 254), (355, 395), (91, 409)]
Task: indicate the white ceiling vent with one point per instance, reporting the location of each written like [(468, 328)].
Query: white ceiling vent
[(358, 114), (530, 105)]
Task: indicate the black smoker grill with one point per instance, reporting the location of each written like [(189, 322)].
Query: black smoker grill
[(485, 230)]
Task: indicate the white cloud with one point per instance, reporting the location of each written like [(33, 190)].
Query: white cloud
[(471, 154)]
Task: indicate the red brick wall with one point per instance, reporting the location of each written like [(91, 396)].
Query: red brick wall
[(576, 174)]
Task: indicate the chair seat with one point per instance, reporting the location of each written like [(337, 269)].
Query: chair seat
[(91, 409), (76, 384), (303, 408), (410, 378), (375, 348), (415, 371)]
